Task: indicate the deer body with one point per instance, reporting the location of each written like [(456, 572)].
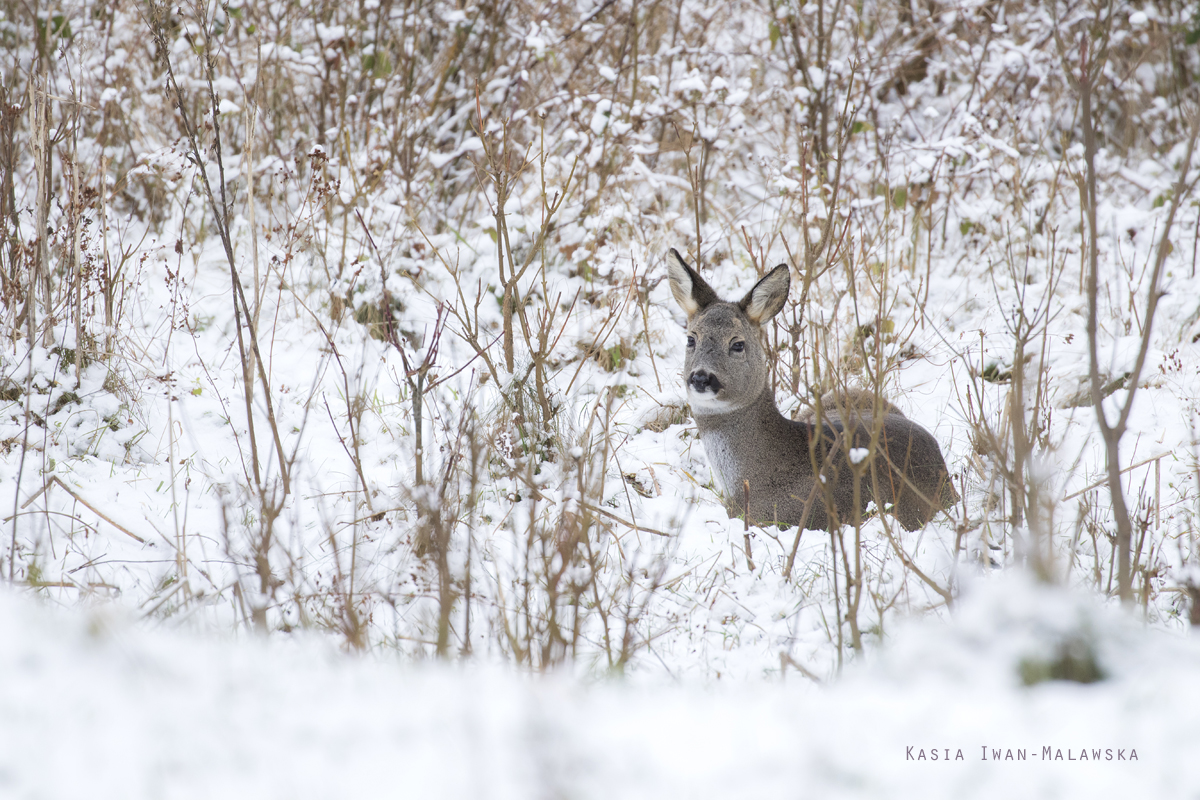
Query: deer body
[(816, 473)]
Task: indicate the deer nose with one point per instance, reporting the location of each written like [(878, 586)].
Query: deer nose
[(702, 381)]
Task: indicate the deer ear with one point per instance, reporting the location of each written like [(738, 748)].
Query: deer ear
[(768, 295), (689, 289)]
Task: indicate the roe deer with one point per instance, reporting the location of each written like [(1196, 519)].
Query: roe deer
[(779, 471)]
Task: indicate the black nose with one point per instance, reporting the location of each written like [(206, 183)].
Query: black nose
[(703, 381)]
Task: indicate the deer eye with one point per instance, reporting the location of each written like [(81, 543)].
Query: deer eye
[(737, 347), (691, 341)]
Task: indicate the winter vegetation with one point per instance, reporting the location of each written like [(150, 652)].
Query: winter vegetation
[(346, 327)]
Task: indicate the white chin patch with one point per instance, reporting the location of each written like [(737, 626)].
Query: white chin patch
[(706, 402)]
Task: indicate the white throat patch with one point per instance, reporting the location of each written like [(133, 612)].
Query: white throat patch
[(707, 402)]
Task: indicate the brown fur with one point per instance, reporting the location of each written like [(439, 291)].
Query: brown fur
[(795, 472)]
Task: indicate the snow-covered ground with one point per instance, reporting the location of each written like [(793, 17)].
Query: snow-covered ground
[(459, 537), (95, 704)]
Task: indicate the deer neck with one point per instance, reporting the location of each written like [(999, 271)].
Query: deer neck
[(736, 441)]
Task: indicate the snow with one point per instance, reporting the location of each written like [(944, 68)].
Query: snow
[(97, 703), (217, 590)]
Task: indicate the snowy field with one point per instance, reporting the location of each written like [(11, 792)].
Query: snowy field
[(344, 445), (94, 704)]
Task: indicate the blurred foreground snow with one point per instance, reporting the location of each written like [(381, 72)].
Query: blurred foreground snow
[(94, 706)]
